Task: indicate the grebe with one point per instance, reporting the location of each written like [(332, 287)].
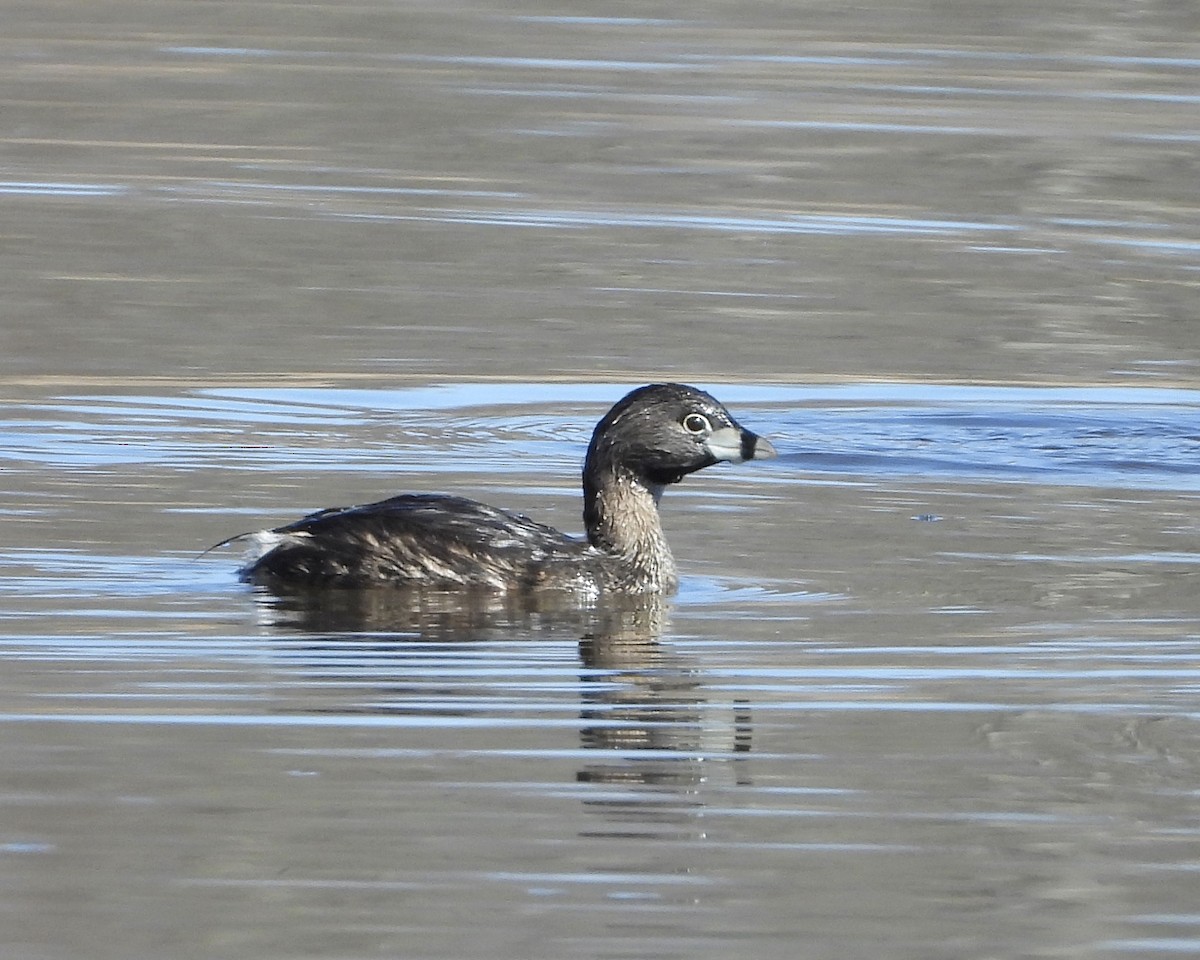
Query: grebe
[(654, 436)]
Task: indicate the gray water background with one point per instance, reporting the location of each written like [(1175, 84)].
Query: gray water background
[(930, 685)]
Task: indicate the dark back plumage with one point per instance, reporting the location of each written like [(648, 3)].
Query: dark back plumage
[(435, 538)]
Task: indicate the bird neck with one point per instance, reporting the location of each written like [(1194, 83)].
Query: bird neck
[(620, 512)]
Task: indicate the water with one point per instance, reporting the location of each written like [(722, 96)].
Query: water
[(929, 686), (958, 690)]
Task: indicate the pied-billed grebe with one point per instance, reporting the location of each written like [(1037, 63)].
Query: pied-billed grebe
[(654, 436)]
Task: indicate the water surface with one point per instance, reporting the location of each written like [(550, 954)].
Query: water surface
[(929, 687), (941, 653)]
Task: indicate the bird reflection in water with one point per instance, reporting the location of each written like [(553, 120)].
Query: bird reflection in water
[(461, 615), (656, 736), (645, 707)]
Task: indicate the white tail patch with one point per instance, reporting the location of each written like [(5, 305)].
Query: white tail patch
[(262, 542)]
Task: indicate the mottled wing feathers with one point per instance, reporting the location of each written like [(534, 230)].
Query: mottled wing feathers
[(428, 538)]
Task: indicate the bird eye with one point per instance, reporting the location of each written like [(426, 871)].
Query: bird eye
[(696, 423)]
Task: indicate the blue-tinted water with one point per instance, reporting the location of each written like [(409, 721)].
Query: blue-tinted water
[(1123, 437)]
